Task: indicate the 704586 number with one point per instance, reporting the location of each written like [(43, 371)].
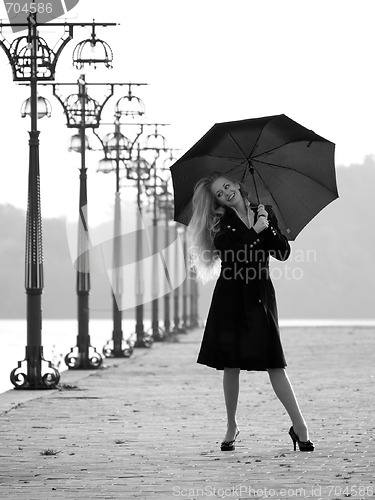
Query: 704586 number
[(353, 489), (31, 8)]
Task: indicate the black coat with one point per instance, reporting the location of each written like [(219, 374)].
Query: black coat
[(242, 324)]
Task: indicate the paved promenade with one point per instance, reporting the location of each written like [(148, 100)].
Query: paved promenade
[(150, 427)]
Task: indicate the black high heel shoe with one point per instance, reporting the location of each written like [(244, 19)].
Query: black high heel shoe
[(229, 445), (303, 445)]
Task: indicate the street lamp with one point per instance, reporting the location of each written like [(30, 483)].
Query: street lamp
[(31, 61), (138, 170), (118, 150), (194, 315), (114, 145), (130, 105), (155, 143), (165, 204), (178, 327), (82, 112), (92, 51), (185, 323)]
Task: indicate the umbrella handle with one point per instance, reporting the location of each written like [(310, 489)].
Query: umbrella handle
[(252, 171)]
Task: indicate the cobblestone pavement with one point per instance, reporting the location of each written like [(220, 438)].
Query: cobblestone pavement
[(150, 427)]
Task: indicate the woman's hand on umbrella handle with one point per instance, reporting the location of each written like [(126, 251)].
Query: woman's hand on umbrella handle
[(261, 224), (262, 212)]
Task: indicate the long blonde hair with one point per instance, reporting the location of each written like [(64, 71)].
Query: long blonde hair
[(203, 227)]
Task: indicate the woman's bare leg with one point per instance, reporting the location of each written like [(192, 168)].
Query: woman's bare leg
[(231, 385), (284, 391)]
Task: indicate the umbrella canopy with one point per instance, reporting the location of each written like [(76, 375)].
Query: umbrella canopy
[(280, 162)]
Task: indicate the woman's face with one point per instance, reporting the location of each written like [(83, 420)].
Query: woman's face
[(226, 192)]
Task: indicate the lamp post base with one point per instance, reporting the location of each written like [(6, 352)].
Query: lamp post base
[(83, 358), (143, 340), (33, 377), (194, 323), (158, 334), (167, 331), (179, 329), (113, 349)]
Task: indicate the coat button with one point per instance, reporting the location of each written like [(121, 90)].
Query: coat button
[(233, 229), (259, 301)]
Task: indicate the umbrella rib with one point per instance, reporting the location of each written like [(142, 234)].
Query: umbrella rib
[(234, 168), (249, 157), (229, 158), (236, 143), (293, 169), (272, 196), (273, 149), (246, 158), (278, 147), (238, 162), (256, 142)]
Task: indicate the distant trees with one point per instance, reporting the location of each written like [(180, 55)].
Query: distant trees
[(333, 258), (331, 272)]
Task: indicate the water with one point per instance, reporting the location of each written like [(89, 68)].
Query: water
[(327, 322), (59, 336)]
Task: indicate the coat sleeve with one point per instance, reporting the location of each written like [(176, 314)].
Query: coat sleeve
[(276, 243)]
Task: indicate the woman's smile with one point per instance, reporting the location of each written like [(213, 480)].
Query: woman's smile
[(226, 192)]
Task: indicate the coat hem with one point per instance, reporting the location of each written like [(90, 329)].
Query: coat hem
[(254, 368)]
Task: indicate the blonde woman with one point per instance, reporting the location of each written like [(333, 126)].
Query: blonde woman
[(231, 237)]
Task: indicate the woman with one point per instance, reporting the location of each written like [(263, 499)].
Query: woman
[(231, 237)]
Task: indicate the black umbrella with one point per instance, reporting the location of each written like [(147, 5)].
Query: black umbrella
[(280, 162)]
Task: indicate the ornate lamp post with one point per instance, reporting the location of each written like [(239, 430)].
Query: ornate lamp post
[(31, 61), (180, 327), (115, 144), (190, 318), (139, 171), (177, 327), (82, 112), (194, 315), (185, 324), (155, 143), (165, 204), (117, 149)]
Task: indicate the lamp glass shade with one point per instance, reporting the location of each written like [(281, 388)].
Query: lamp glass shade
[(138, 168), (114, 142), (44, 108), (92, 52), (129, 105), (75, 143), (106, 165), (155, 141)]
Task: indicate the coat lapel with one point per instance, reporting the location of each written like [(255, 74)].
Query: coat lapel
[(231, 218)]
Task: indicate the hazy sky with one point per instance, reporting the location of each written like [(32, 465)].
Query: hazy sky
[(205, 61)]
